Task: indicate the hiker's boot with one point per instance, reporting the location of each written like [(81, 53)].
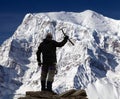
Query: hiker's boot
[(49, 86), (43, 83)]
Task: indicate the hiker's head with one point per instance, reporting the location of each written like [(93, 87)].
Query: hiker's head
[(49, 36)]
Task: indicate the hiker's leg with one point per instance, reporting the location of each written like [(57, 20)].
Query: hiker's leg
[(51, 74), (43, 87), (43, 77)]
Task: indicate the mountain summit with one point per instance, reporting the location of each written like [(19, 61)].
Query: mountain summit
[(91, 64)]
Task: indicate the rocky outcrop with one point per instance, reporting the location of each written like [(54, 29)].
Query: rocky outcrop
[(71, 94)]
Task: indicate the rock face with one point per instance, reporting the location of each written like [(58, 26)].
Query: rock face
[(92, 64), (71, 94)]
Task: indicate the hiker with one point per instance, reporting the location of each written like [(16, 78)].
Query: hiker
[(48, 50)]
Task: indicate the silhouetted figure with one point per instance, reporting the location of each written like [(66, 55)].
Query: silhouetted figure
[(48, 50)]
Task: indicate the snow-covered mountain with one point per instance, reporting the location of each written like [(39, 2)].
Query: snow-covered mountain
[(91, 64)]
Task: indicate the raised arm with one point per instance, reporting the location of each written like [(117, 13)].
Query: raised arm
[(62, 43)]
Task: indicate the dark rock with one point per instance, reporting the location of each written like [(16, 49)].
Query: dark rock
[(71, 94)]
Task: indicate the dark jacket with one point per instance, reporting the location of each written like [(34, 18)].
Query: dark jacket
[(48, 50)]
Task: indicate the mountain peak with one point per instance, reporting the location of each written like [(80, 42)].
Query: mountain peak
[(92, 15), (89, 12), (92, 62)]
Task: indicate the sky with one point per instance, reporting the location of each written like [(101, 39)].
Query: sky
[(12, 12)]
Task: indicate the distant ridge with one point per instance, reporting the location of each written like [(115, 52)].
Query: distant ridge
[(93, 64)]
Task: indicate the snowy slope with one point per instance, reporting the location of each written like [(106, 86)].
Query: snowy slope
[(92, 64)]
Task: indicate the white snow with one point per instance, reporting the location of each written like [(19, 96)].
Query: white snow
[(91, 64)]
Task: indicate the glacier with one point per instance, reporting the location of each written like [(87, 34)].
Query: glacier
[(91, 64)]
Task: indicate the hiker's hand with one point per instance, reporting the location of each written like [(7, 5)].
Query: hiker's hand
[(56, 71), (39, 64), (66, 37)]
